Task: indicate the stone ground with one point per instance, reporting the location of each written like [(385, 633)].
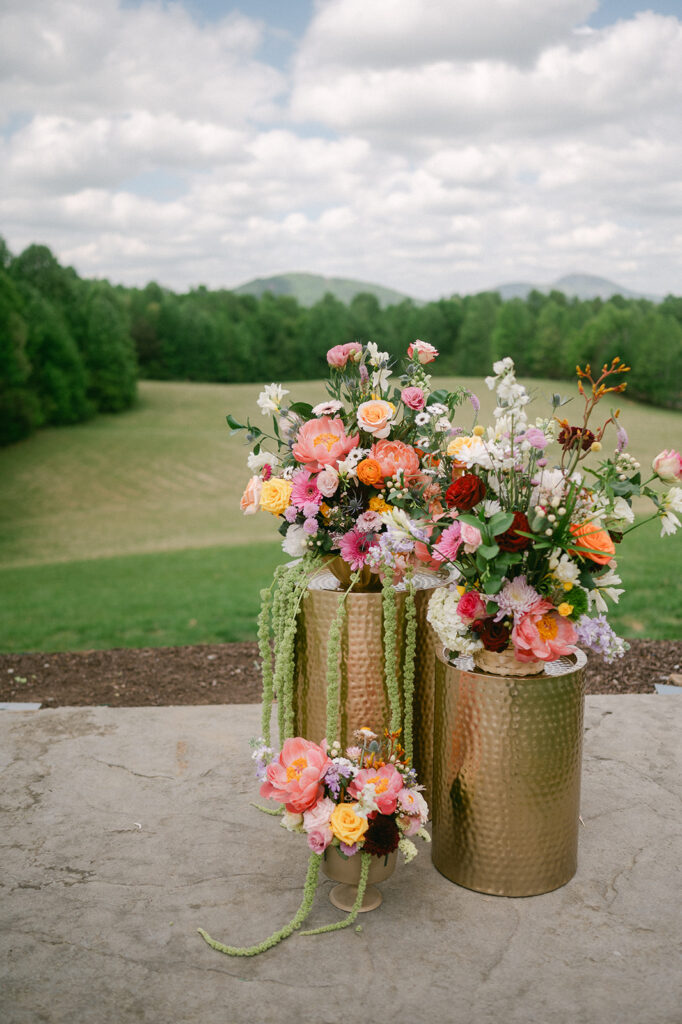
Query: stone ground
[(125, 829)]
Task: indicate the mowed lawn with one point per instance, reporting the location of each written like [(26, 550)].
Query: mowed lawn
[(126, 531)]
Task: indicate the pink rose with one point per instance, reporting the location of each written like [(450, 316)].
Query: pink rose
[(409, 825), (668, 466), (425, 353), (328, 481), (295, 777), (318, 816), (323, 442), (320, 838), (250, 499), (471, 537), (375, 417), (339, 355), (387, 782), (413, 398), (471, 606), (542, 634)]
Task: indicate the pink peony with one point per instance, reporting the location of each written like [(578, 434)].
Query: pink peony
[(328, 481), (471, 606), (354, 547), (471, 537), (320, 838), (304, 490), (295, 778), (250, 500), (387, 782), (542, 634), (668, 466), (323, 442), (425, 353), (413, 398)]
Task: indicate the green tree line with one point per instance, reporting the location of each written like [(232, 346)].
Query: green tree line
[(71, 347)]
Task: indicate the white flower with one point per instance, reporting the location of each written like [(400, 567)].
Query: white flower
[(295, 542), (563, 568), (270, 399), (442, 424), (669, 524), (491, 507), (671, 502), (256, 462), (502, 365), (621, 512), (380, 379), (450, 629), (327, 408), (291, 821), (422, 418), (437, 409), (376, 358), (605, 587), (366, 801)]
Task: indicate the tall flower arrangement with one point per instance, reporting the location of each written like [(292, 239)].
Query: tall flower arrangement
[(531, 528)]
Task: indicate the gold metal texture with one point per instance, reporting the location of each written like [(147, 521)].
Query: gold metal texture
[(367, 581), (346, 871), (506, 788)]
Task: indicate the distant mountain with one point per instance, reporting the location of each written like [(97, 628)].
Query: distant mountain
[(579, 286), (310, 288)]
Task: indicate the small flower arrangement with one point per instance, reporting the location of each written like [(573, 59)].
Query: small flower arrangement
[(364, 800), (332, 472), (532, 540)]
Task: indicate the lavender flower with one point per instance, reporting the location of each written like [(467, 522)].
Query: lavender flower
[(622, 436), (262, 755), (474, 401), (597, 636)]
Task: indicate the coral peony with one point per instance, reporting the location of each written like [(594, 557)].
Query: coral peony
[(374, 417), (543, 635), (323, 442), (387, 782), (295, 778), (395, 455), (601, 548)]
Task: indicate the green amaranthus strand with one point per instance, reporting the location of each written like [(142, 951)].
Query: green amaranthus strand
[(355, 910), (333, 666), (301, 914), (408, 663), (265, 651), (390, 615)]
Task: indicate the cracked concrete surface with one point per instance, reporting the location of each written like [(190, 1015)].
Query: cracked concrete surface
[(123, 830)]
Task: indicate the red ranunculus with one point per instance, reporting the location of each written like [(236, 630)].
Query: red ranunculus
[(465, 492), (493, 635), (511, 540)]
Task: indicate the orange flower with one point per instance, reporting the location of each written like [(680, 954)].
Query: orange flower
[(375, 417), (601, 547), (369, 472), (393, 455)]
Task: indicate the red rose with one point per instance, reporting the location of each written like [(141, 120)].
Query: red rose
[(493, 635), (465, 492), (511, 540)]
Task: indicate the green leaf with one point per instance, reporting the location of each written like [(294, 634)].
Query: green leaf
[(471, 521), (488, 551), (301, 408), (233, 423), (493, 585), (500, 522)]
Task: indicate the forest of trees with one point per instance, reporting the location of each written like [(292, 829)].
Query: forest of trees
[(71, 347)]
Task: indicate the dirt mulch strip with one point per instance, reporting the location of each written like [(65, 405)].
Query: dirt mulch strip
[(230, 674)]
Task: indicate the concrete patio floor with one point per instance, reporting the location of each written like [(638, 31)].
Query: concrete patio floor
[(123, 830)]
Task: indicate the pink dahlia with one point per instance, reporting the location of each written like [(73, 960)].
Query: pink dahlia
[(354, 547), (295, 778), (542, 634), (323, 442), (387, 782)]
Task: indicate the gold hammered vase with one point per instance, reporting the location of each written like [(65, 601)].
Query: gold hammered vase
[(363, 699), (506, 778), (346, 871)]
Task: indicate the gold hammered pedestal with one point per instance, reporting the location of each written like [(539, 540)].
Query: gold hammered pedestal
[(506, 777), (346, 871), (363, 699)]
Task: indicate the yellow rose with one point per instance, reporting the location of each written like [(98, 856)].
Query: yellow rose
[(346, 825), (456, 446), (275, 495)]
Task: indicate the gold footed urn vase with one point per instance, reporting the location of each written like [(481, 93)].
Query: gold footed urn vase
[(363, 698), (346, 871), (506, 775)]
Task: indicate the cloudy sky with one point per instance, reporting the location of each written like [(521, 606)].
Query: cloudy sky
[(434, 146)]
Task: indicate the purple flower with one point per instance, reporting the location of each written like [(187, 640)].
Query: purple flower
[(597, 636), (474, 401), (290, 514), (536, 438), (622, 436), (348, 850), (364, 374), (311, 508), (311, 526)]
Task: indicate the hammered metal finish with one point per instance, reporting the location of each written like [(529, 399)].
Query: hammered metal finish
[(363, 696), (506, 787)]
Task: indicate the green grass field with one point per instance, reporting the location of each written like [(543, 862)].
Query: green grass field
[(126, 531)]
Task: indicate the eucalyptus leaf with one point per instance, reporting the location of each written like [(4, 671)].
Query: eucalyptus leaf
[(500, 522)]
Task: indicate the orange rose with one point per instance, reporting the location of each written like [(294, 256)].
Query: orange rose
[(369, 472), (601, 547), (250, 500), (394, 455)]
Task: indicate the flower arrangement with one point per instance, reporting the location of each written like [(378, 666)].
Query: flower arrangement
[(338, 475), (532, 538)]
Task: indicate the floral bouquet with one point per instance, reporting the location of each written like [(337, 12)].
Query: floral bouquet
[(532, 536), (336, 473)]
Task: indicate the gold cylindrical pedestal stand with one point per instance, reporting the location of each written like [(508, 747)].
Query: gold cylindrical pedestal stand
[(506, 789)]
